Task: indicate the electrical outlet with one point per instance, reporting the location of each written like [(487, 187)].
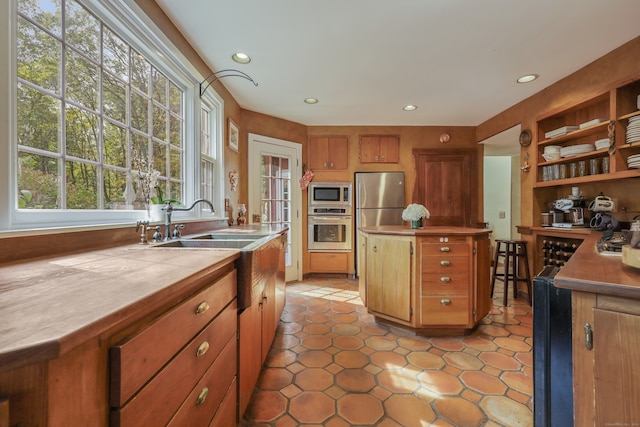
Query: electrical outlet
[(256, 219), (502, 214)]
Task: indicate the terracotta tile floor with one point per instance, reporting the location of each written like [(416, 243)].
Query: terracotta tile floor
[(331, 364)]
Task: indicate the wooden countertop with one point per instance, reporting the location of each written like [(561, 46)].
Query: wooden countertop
[(50, 306), (403, 230), (589, 271)]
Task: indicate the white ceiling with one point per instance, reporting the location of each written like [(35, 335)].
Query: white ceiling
[(457, 60)]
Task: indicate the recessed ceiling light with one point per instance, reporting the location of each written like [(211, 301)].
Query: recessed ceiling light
[(241, 58), (311, 100), (410, 107), (528, 78)]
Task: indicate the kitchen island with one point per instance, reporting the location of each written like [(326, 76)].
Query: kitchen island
[(431, 280), (605, 302)]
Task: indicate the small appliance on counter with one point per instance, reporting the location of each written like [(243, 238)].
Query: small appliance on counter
[(569, 212)]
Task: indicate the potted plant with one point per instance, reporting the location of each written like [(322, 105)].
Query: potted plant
[(414, 213)]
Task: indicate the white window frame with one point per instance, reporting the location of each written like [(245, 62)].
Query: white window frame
[(132, 24)]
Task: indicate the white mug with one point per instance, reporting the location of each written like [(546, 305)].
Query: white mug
[(575, 191)]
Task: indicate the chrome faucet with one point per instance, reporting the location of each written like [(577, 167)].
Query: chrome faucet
[(169, 209)]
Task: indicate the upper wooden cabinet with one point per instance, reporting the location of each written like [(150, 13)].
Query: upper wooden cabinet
[(602, 117), (446, 185), (329, 152), (379, 149)]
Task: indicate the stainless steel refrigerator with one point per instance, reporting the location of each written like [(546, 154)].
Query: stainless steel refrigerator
[(379, 200)]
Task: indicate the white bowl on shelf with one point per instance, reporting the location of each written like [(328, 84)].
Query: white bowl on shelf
[(551, 156)]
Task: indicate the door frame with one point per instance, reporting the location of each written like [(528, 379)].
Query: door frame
[(257, 145)]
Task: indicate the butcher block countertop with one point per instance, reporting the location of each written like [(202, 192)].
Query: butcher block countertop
[(50, 306), (403, 230), (589, 271)]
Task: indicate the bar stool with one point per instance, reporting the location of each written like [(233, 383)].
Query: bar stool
[(513, 252)]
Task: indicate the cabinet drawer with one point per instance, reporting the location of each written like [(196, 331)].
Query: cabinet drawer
[(445, 310), (329, 262), (203, 401), (444, 284), (135, 361), (445, 264), (159, 400), (443, 239), (448, 248)]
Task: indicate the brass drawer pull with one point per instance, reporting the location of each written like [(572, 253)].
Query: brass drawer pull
[(445, 249), (445, 279), (445, 301), (202, 349), (202, 307), (202, 396), (445, 263)]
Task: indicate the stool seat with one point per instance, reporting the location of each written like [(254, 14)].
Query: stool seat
[(512, 252)]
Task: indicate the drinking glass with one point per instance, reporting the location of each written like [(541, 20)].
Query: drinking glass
[(593, 166), (605, 165), (582, 168), (573, 170), (563, 171)]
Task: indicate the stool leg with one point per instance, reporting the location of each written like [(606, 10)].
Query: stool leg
[(526, 272), (495, 266), (507, 274)]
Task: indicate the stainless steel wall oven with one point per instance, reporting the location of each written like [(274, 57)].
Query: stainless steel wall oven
[(330, 220)]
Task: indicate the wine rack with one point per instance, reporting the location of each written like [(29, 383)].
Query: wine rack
[(556, 251)]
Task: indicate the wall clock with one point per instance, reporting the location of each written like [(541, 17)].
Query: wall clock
[(525, 138)]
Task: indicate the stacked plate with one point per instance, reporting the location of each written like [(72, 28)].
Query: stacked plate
[(560, 131), (633, 162), (574, 150), (602, 143), (633, 129)]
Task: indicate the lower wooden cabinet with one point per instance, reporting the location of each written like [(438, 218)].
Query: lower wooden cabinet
[(606, 360), (328, 262), (172, 371), (429, 282)]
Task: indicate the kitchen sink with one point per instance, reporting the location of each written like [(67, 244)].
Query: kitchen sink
[(212, 244), (261, 258)]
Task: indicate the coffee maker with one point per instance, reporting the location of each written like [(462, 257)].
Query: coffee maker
[(572, 212)]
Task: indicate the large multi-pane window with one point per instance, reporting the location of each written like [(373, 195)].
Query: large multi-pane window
[(87, 104)]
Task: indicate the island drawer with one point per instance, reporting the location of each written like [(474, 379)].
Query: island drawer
[(329, 262), (446, 248), (445, 284), (446, 310), (142, 355), (161, 398), (443, 263)]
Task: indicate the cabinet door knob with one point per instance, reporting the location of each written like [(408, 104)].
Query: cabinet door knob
[(202, 396), (202, 349), (445, 279), (445, 249), (445, 301), (325, 164), (445, 263), (202, 307), (374, 248), (382, 158), (331, 164)]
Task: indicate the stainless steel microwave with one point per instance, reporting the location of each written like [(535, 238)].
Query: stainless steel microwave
[(334, 194)]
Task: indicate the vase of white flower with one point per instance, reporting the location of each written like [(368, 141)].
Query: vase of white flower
[(415, 213)]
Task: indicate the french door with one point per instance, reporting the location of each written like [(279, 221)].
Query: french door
[(274, 194)]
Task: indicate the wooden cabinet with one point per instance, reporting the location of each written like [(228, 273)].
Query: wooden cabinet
[(390, 263), (446, 184), (328, 152), (257, 323), (602, 117), (328, 262), (432, 282), (379, 149), (606, 361), (181, 366)]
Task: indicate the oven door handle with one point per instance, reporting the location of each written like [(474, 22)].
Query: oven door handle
[(330, 218)]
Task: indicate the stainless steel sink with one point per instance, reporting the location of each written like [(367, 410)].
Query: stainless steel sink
[(218, 236), (212, 244)]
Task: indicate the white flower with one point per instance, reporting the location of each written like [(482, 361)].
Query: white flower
[(415, 212)]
